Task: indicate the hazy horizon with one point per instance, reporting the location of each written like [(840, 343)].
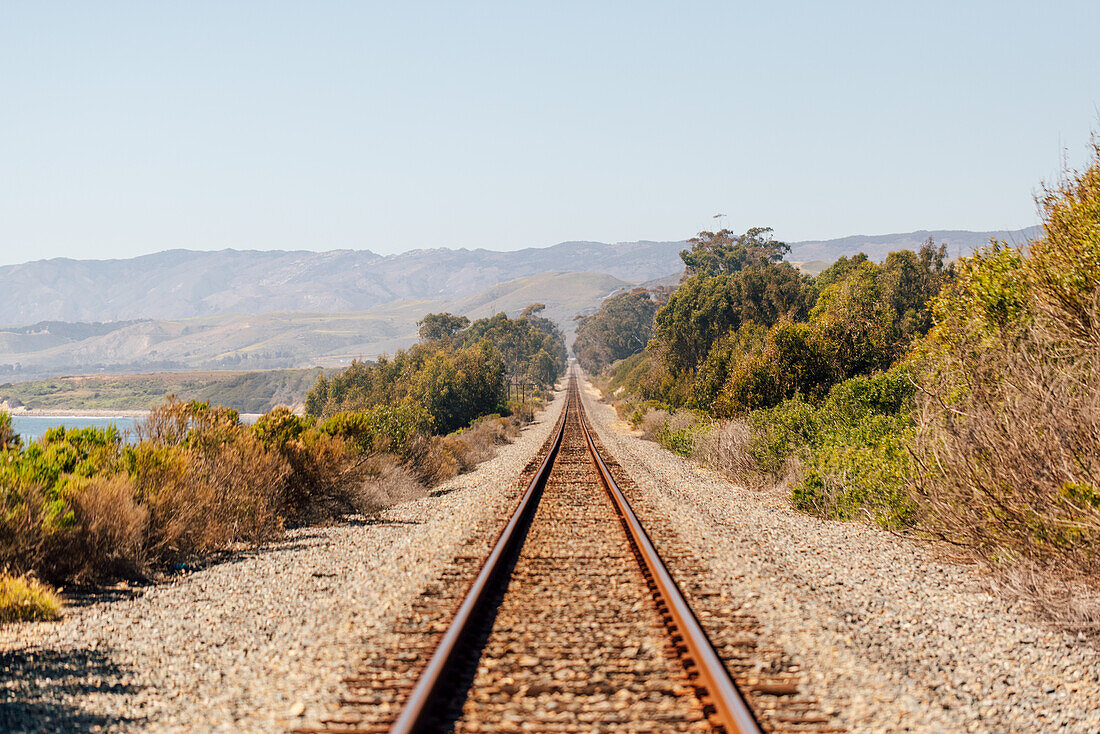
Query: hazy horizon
[(475, 249)]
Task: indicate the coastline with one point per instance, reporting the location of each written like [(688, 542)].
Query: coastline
[(92, 413), (74, 413)]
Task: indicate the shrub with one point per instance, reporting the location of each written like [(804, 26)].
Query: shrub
[(1064, 265), (380, 428), (105, 534), (523, 413), (653, 422), (728, 448), (23, 599), (435, 459), (191, 424), (325, 473), (206, 480), (1009, 415), (860, 469), (53, 519), (484, 436), (279, 426), (386, 483), (782, 432), (848, 456), (9, 439), (1010, 467), (61, 452), (679, 433)]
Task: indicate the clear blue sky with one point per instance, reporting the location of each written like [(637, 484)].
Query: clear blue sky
[(128, 128)]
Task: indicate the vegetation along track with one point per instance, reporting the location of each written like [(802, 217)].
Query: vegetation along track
[(573, 623)]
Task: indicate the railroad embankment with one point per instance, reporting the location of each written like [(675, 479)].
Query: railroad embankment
[(258, 641), (892, 636)]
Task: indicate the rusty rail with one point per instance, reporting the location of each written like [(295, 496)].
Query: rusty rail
[(417, 712), (730, 706), (697, 652)]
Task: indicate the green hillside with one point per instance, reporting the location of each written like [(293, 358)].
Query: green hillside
[(248, 392), (283, 340)]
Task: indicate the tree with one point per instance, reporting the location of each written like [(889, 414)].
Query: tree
[(909, 281), (436, 326), (519, 340), (858, 323), (705, 308), (836, 272), (715, 253), (700, 312), (621, 327)]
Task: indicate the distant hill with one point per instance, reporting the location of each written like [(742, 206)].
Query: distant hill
[(182, 284), (565, 295), (287, 339), (247, 392), (879, 246), (249, 310), (185, 284)]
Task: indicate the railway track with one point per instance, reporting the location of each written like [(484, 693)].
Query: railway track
[(570, 621)]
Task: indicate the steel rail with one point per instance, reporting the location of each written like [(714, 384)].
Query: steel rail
[(730, 706), (417, 712)]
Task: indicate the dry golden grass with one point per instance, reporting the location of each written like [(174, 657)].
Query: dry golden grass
[(653, 422), (24, 599), (727, 448), (387, 483)]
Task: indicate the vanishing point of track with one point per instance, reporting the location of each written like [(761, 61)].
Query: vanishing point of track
[(572, 623)]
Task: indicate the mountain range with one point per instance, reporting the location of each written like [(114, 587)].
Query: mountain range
[(182, 284), (958, 241), (283, 339), (248, 309)]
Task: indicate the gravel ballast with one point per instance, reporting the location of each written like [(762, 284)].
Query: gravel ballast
[(893, 638), (258, 642)]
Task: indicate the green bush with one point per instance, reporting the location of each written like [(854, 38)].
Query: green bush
[(783, 432), (27, 600), (680, 432), (381, 428), (861, 469), (279, 426), (853, 448)]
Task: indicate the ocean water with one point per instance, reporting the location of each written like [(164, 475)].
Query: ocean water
[(32, 427)]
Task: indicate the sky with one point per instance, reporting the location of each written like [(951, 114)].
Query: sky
[(128, 128)]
